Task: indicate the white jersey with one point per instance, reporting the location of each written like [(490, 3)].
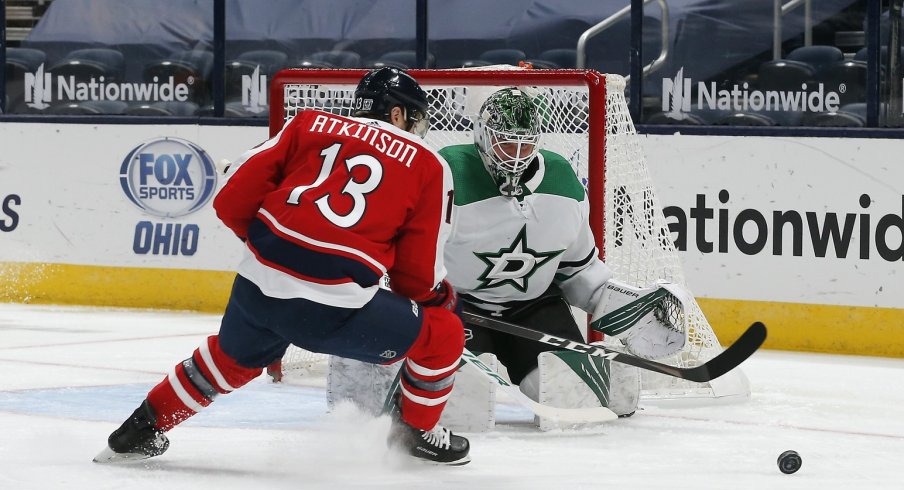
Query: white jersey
[(504, 249)]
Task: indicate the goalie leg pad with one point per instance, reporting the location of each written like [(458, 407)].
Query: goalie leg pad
[(575, 380), (364, 384), (470, 407)]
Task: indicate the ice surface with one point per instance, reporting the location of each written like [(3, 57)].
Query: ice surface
[(71, 375)]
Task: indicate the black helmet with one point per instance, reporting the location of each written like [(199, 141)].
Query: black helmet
[(384, 88)]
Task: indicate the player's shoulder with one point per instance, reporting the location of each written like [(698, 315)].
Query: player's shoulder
[(559, 178), (459, 154), (472, 181)]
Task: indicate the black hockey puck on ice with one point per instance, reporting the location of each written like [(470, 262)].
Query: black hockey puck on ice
[(789, 462)]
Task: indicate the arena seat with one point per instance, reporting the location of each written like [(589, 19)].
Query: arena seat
[(20, 61), (391, 64), (563, 57), (746, 119), (338, 59), (191, 67), (403, 59), (89, 107), (270, 61), (838, 119), (819, 57), (164, 108), (785, 75), (504, 56), (233, 109), (850, 73), (689, 120), (84, 64), (24, 59), (473, 63), (542, 64), (266, 61)]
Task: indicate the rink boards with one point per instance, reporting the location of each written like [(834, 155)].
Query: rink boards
[(803, 234)]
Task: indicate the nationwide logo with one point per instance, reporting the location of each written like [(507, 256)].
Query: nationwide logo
[(37, 89), (254, 91), (168, 177), (677, 98), (42, 88)]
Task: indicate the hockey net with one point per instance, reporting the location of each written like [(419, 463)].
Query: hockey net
[(585, 118)]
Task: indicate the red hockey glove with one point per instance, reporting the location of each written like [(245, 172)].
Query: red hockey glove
[(443, 297)]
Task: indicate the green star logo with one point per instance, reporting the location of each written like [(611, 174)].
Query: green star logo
[(512, 265)]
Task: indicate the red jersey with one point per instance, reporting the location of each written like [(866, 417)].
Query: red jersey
[(331, 203)]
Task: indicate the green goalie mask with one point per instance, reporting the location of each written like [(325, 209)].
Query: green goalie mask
[(507, 135)]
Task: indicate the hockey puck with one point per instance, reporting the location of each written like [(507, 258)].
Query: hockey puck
[(789, 462)]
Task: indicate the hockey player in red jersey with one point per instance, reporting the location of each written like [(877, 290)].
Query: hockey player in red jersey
[(326, 208)]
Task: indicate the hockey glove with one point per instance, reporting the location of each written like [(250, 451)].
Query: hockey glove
[(649, 321), (444, 297)]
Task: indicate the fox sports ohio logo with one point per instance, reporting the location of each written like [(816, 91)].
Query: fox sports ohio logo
[(168, 177)]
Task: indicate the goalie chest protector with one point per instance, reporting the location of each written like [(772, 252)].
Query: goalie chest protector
[(506, 248)]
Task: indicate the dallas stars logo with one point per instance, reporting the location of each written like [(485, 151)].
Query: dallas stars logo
[(512, 265)]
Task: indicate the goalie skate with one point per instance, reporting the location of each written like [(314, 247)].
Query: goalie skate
[(136, 439)]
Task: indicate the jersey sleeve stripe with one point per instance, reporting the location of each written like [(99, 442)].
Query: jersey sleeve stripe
[(300, 261), (277, 227), (278, 284), (296, 274), (578, 263)]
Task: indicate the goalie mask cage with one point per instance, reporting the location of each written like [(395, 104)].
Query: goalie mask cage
[(584, 117)]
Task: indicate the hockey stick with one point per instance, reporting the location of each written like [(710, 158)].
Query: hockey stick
[(735, 354), (569, 415)]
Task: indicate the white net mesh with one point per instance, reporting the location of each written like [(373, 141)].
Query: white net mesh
[(639, 250), (638, 247)]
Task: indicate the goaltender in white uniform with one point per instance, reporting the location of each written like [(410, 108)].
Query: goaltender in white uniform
[(522, 250)]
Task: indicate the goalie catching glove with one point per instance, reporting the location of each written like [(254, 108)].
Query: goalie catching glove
[(649, 322)]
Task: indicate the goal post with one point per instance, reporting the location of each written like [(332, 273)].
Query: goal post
[(584, 118)]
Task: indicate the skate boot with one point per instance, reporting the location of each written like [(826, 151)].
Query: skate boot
[(438, 445), (135, 439)]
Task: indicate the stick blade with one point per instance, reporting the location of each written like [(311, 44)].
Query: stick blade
[(734, 355)]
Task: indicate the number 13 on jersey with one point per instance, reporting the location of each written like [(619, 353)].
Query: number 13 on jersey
[(358, 191)]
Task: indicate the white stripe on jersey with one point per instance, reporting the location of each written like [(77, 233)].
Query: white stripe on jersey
[(277, 284), (332, 246)]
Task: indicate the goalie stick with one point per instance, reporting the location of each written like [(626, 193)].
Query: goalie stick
[(568, 415), (735, 354)]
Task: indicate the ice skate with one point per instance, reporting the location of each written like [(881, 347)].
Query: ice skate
[(136, 439), (438, 445)]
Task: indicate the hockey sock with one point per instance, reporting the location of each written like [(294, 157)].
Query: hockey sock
[(429, 370), (195, 382)]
